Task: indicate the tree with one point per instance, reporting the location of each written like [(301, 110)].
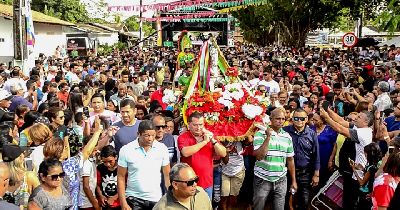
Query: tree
[(132, 23), (290, 21), (389, 19), (9, 2), (68, 10)]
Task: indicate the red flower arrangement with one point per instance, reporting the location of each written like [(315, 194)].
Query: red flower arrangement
[(232, 72)]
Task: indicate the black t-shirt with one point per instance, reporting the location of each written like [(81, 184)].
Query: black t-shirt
[(107, 180), (347, 151)]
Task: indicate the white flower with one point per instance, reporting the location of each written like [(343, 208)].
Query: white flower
[(226, 103), (251, 111), (234, 90), (169, 97)]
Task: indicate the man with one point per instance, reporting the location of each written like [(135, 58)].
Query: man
[(392, 122), (319, 82), (5, 101), (184, 79), (4, 179), (125, 131), (136, 85), (307, 162), (383, 101), (308, 106), (63, 93), (198, 147), (158, 94), (121, 94), (73, 74), (283, 97), (18, 92), (125, 77), (14, 80), (97, 103), (139, 174), (52, 73), (183, 193), (361, 134), (165, 138), (273, 149), (271, 85)]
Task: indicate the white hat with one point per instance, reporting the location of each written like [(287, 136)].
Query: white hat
[(5, 95)]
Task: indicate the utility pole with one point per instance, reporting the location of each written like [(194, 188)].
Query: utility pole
[(19, 31), (141, 24)]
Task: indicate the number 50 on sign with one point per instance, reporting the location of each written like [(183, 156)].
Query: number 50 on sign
[(349, 40)]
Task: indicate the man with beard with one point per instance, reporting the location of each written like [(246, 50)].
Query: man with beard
[(393, 122)]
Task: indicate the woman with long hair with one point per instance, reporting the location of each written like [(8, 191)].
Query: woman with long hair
[(51, 194), (22, 182), (60, 150), (57, 118)]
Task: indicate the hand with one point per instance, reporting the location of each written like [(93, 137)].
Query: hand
[(125, 207), (323, 113), (111, 200), (331, 165), (97, 125), (315, 181), (102, 200), (294, 186), (207, 135), (96, 206), (112, 130)]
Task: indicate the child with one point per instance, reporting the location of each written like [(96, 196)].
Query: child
[(373, 155), (107, 179)]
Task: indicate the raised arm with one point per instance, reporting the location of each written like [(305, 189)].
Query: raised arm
[(335, 125)]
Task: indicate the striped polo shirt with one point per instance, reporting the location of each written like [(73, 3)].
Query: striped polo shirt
[(273, 166)]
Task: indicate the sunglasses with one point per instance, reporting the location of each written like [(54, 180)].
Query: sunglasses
[(299, 119), (55, 177), (190, 182), (158, 127)]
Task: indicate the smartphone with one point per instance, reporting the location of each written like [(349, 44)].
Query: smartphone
[(325, 105), (86, 111), (391, 149)]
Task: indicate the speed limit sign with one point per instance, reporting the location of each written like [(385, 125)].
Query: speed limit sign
[(349, 39)]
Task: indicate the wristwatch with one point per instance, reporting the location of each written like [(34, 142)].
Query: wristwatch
[(214, 142)]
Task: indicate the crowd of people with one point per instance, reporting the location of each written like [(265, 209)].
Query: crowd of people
[(96, 132)]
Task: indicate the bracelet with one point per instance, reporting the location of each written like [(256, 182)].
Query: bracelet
[(215, 142)]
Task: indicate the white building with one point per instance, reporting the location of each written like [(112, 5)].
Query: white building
[(50, 32)]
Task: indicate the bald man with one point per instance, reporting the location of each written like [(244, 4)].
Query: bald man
[(4, 178), (273, 149)]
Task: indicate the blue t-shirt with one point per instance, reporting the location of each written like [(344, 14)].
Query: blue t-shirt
[(125, 134), (392, 124)]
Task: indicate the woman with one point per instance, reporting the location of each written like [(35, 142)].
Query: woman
[(22, 182), (141, 112), (326, 140), (75, 101), (56, 117), (112, 105), (59, 149), (51, 194), (20, 113), (9, 128), (37, 136), (385, 184)]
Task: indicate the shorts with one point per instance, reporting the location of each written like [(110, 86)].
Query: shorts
[(231, 184)]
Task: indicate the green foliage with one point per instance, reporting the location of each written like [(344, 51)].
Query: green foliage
[(290, 21), (106, 49), (68, 10), (389, 19), (9, 2), (132, 23)]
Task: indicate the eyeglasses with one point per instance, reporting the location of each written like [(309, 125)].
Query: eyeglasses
[(190, 182), (299, 119), (158, 127), (55, 177)]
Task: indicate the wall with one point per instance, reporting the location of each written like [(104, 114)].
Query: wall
[(6, 40), (48, 37), (109, 39)]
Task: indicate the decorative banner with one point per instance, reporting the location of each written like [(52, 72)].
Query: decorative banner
[(30, 33), (186, 5), (178, 18), (206, 20)]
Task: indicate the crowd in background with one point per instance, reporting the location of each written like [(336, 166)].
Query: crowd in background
[(94, 132)]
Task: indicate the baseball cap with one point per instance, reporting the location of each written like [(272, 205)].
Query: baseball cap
[(12, 152), (5, 95)]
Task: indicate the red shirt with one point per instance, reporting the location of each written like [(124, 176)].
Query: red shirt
[(384, 187), (63, 97), (157, 96), (201, 161)]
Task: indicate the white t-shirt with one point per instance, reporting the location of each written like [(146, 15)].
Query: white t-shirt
[(362, 137), (271, 86), (88, 169), (236, 162), (37, 157)]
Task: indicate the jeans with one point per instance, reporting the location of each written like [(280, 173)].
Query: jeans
[(209, 191), (263, 188), (140, 204), (303, 178), (216, 192)]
